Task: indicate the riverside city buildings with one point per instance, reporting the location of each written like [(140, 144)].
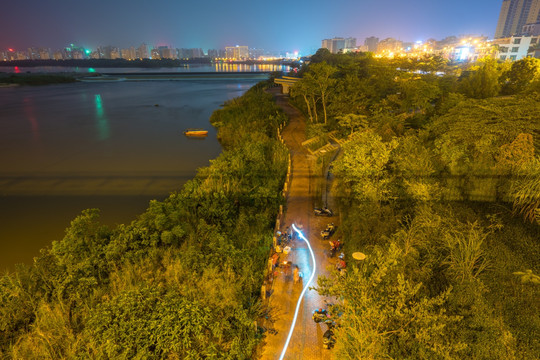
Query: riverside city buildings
[(338, 44), (518, 30), (514, 15), (517, 47), (237, 52)]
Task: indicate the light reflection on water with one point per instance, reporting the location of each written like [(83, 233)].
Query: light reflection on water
[(102, 123), (216, 67), (65, 148)]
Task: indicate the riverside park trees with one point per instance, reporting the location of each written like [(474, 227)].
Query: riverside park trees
[(317, 85), (438, 188)]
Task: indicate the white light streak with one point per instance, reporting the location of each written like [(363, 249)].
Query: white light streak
[(301, 294)]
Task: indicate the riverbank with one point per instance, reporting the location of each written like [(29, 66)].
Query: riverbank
[(9, 80), (189, 267), (70, 147)]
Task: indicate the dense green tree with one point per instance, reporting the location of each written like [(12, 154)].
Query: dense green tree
[(415, 164), (363, 168), (306, 89), (152, 324), (417, 94), (323, 83), (521, 75), (321, 55), (350, 95), (482, 81), (352, 122)]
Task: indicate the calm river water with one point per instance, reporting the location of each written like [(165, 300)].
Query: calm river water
[(66, 148)]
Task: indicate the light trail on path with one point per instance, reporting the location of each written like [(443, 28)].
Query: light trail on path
[(306, 286)]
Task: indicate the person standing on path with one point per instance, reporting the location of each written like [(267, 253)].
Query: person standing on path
[(296, 274)]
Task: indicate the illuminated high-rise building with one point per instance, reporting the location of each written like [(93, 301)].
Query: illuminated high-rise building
[(128, 54), (142, 52), (337, 44), (166, 52), (389, 45), (237, 52), (514, 15), (44, 54), (371, 43), (154, 54)]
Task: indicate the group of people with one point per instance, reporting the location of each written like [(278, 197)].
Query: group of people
[(282, 239), (297, 274)]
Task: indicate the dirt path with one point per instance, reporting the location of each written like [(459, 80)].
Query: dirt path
[(306, 341)]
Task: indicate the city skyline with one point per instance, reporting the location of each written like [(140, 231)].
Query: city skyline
[(298, 27)]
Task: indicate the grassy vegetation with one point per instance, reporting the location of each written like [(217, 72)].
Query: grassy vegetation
[(182, 281), (36, 79)]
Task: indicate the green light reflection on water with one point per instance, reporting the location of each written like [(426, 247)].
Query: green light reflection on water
[(102, 123)]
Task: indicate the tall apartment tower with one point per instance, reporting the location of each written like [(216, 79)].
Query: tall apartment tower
[(142, 52), (336, 44), (514, 15), (237, 52), (371, 43)]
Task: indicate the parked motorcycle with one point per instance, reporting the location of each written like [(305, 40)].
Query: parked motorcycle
[(320, 315), (323, 212), (335, 246), (329, 231), (328, 339)]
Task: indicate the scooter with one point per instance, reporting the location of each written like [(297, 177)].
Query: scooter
[(328, 339), (329, 231), (335, 246), (323, 212), (320, 315)]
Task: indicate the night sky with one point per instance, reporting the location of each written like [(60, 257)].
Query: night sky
[(277, 26)]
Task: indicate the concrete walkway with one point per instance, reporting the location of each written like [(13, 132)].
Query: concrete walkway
[(306, 341)]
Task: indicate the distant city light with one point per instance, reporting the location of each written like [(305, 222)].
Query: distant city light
[(462, 53)]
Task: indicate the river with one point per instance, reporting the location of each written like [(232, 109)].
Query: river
[(217, 67), (111, 145)]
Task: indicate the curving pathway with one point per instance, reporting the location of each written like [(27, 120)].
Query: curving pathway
[(306, 341)]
